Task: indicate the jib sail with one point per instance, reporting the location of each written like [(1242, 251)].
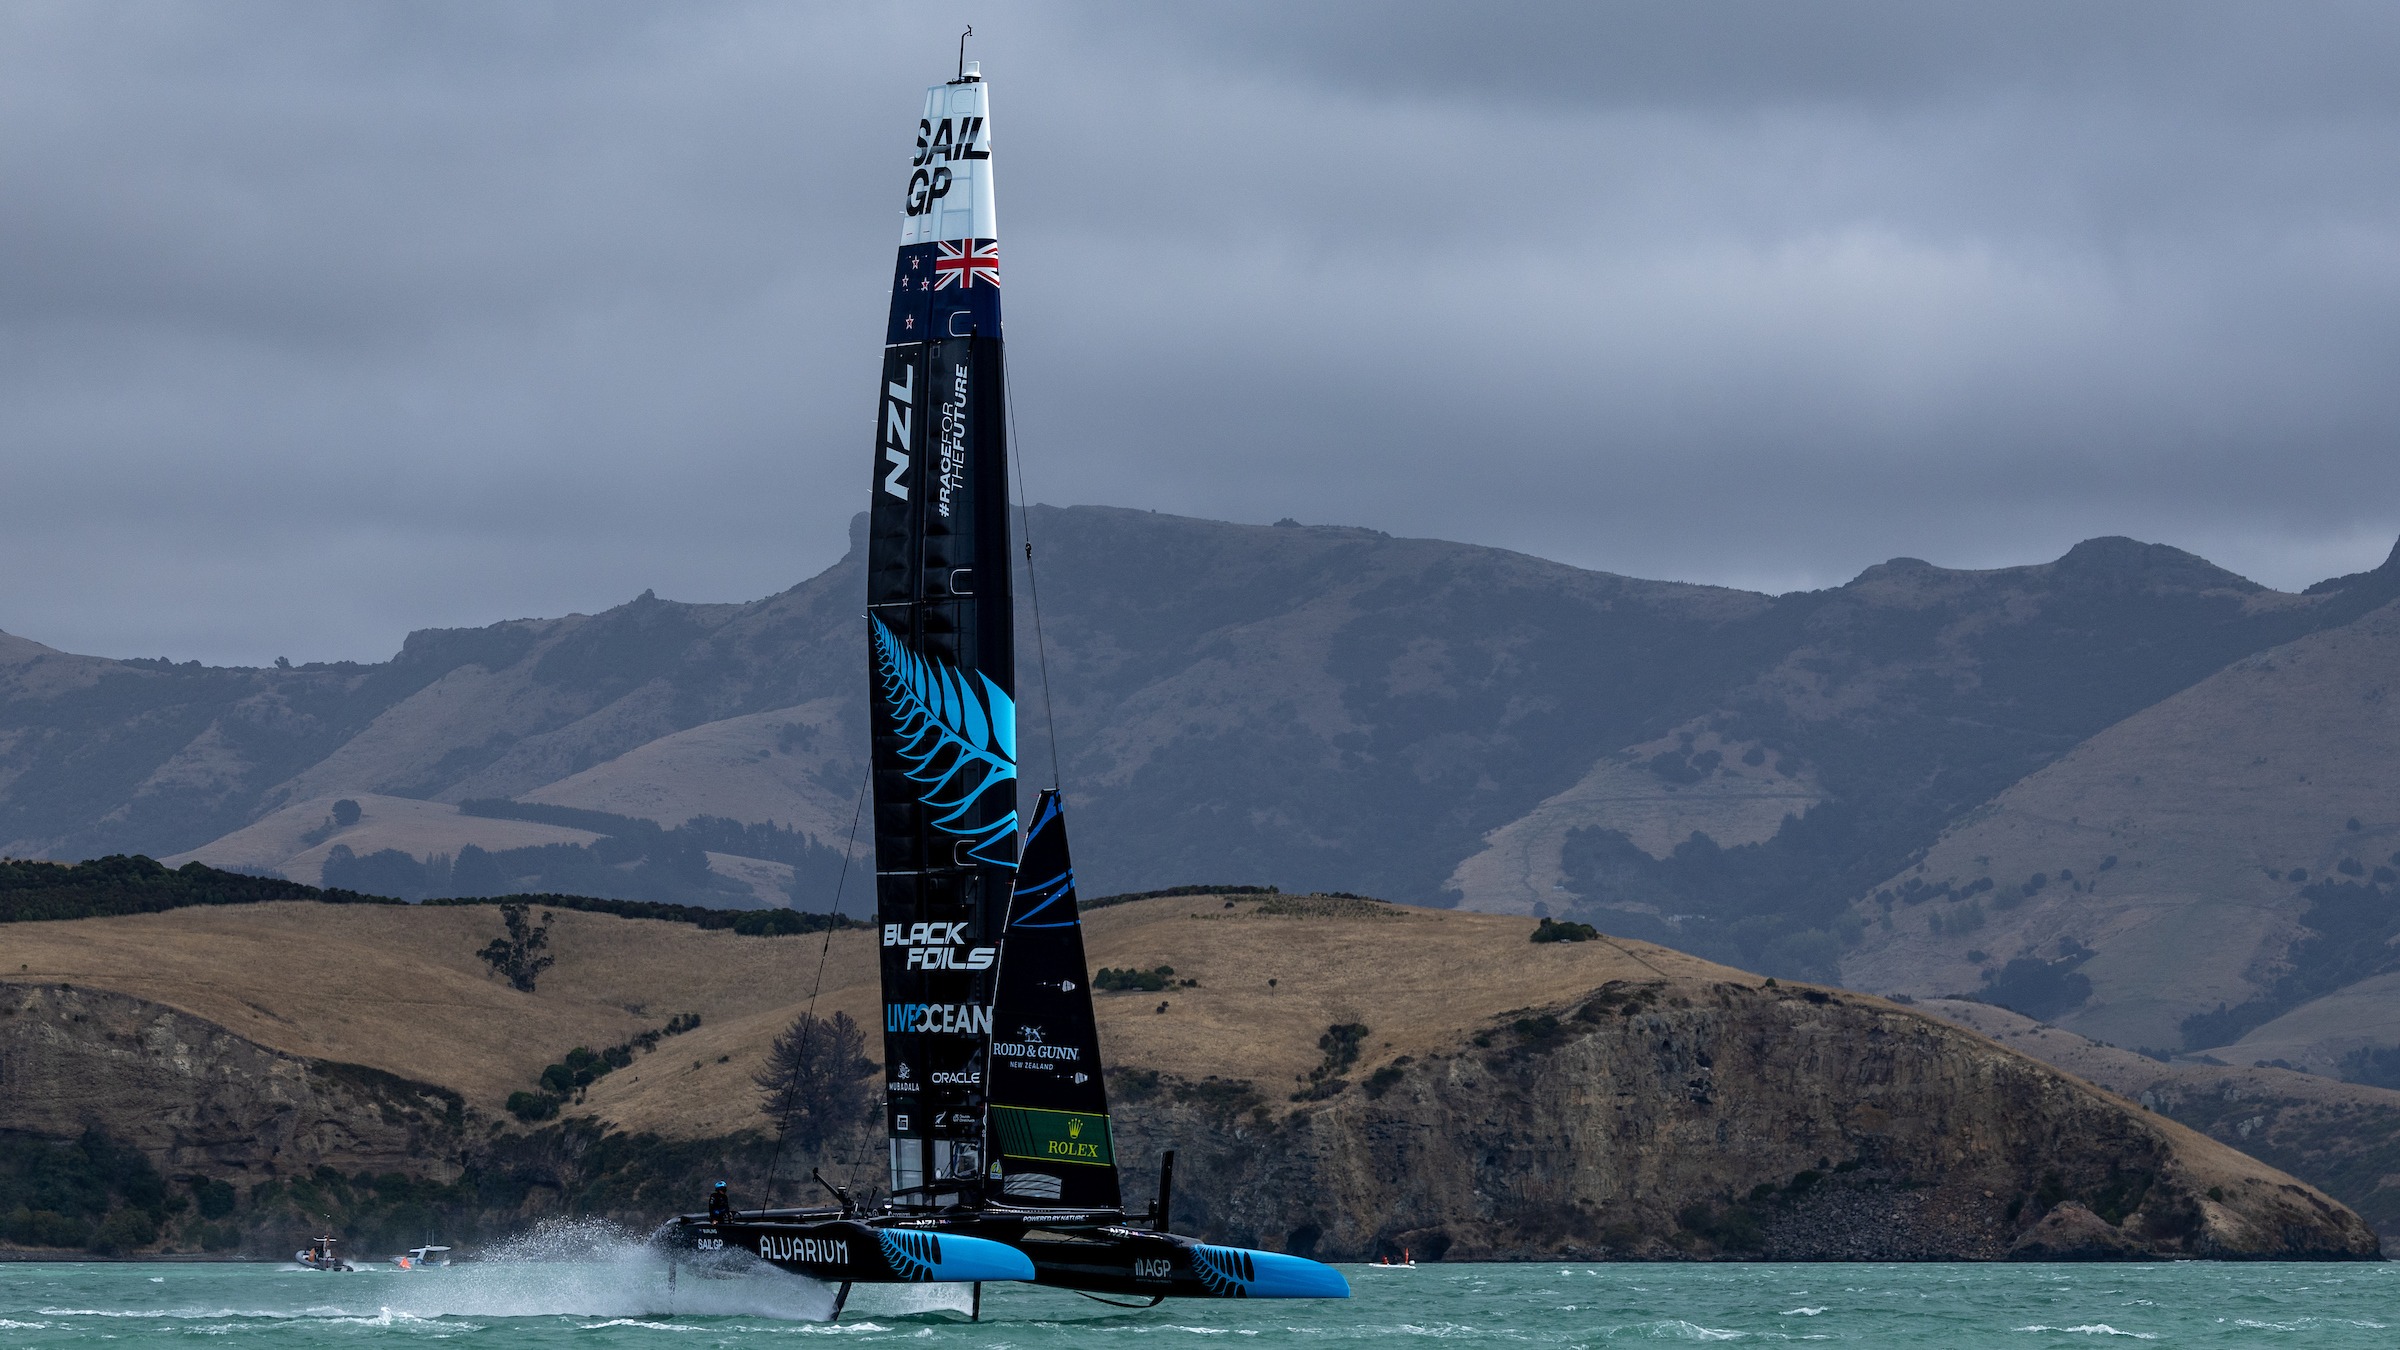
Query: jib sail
[(1050, 1135), (941, 658)]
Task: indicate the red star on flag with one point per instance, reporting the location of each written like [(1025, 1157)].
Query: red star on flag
[(966, 262)]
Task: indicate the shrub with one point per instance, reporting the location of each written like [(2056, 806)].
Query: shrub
[(1340, 1043), (532, 1106), (1536, 1031), (2374, 1065), (124, 1231), (1110, 980), (44, 1228), (215, 1197), (1551, 930), (2040, 989)]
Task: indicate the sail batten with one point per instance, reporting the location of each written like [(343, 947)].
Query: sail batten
[(941, 656)]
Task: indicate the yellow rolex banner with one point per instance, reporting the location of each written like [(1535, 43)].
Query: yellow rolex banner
[(1053, 1136)]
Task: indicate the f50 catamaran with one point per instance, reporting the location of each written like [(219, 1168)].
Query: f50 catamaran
[(1002, 1162)]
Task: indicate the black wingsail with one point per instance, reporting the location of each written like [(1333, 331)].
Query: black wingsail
[(941, 656), (1050, 1136), (1003, 1163)]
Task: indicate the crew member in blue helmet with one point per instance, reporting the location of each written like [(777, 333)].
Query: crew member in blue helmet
[(720, 1204)]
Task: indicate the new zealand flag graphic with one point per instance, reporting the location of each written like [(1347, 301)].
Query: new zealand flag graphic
[(967, 262)]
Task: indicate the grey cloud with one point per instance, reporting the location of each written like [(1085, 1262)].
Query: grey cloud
[(318, 323)]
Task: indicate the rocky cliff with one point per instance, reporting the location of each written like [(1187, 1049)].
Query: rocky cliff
[(197, 1099), (1664, 1120)]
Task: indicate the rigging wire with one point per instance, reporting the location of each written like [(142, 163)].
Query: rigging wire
[(808, 1021), (1033, 585)]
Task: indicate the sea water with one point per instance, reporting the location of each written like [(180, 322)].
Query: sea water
[(605, 1295)]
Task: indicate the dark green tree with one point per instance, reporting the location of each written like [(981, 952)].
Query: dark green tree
[(815, 1080), (516, 957)]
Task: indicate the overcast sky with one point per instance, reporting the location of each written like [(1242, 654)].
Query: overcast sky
[(323, 322)]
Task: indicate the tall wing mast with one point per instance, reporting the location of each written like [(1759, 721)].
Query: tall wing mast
[(941, 654)]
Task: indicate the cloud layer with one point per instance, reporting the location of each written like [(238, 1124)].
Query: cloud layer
[(320, 323)]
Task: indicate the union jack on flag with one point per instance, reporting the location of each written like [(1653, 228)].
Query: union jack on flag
[(967, 262)]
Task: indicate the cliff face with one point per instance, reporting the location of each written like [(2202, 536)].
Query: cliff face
[(1593, 1099), (198, 1099), (1676, 1120)]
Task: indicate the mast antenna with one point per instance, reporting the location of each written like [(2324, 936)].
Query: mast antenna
[(962, 54)]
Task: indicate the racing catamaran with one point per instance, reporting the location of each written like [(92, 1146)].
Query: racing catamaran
[(1002, 1164)]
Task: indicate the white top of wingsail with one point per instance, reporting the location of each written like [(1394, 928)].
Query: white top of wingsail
[(950, 177)]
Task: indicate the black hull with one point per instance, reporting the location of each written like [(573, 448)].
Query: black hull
[(1090, 1252), (1101, 1253), (837, 1250)]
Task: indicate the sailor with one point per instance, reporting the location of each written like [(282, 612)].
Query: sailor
[(720, 1204)]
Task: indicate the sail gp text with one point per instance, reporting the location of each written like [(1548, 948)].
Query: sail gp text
[(953, 1019), (955, 139)]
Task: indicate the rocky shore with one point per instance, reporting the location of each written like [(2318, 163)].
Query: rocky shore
[(1676, 1119)]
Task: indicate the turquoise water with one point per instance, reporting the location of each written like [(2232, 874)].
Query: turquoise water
[(620, 1297)]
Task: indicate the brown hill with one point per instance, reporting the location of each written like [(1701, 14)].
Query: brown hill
[(2177, 848), (1511, 1098)]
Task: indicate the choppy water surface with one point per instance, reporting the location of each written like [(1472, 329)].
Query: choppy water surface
[(610, 1295)]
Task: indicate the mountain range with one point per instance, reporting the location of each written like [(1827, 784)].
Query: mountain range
[(2125, 790)]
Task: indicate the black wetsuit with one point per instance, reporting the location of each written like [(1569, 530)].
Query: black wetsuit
[(720, 1207)]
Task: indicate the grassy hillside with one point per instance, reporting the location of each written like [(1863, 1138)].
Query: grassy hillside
[(1721, 1102), (2228, 847), (399, 988)]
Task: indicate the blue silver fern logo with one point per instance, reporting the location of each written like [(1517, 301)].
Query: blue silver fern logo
[(911, 1255), (1225, 1271), (960, 744)]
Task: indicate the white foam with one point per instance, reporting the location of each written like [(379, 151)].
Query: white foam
[(586, 1268), (1679, 1329), (2096, 1329)]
